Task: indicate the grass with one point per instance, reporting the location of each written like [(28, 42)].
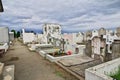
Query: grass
[(116, 76), (1, 44), (58, 73)]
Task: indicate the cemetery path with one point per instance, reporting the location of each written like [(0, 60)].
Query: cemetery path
[(31, 66)]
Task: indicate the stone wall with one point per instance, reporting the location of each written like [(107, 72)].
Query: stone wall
[(102, 71), (4, 35), (116, 49), (88, 50)]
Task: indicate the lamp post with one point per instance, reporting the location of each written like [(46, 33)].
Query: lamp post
[(1, 6)]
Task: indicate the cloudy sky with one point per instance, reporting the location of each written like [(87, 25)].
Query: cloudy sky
[(73, 15)]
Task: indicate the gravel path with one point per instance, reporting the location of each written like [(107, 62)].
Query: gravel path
[(31, 66)]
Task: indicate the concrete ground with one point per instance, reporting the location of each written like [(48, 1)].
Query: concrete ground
[(31, 66)]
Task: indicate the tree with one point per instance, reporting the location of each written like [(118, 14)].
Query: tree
[(18, 34), (14, 33), (32, 32)]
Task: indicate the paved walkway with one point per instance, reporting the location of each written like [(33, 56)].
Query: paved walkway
[(31, 66)]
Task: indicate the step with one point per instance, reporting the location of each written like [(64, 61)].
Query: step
[(8, 73)]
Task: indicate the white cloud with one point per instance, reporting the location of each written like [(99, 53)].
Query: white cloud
[(71, 14)]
